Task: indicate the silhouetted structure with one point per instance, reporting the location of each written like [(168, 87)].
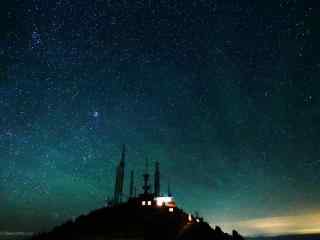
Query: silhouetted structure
[(131, 192), (157, 180), (146, 186), (118, 190)]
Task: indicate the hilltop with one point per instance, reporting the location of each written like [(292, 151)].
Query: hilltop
[(132, 221), (150, 215)]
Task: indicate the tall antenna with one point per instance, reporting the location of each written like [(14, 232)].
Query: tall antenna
[(131, 184), (146, 186), (123, 153), (157, 180), (118, 189)]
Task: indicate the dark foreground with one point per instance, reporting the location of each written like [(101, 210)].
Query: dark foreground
[(129, 221)]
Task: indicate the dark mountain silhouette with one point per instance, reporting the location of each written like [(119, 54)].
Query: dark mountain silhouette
[(131, 221)]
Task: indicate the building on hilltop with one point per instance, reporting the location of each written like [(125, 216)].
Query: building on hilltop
[(146, 198), (149, 216)]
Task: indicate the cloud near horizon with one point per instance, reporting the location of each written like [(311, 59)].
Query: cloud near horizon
[(282, 225)]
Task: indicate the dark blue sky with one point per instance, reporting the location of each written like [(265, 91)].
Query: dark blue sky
[(223, 93)]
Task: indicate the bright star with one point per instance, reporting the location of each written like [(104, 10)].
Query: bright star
[(96, 114)]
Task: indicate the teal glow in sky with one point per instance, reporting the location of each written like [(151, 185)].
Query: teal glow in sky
[(224, 94)]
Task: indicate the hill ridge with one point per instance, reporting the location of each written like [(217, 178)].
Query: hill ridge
[(132, 221)]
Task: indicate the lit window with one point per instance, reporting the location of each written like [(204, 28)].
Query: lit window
[(163, 201), (143, 203), (149, 203), (171, 209), (190, 218)]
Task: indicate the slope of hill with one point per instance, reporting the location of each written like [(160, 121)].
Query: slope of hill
[(131, 221)]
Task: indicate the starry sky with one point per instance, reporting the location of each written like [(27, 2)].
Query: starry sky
[(223, 93)]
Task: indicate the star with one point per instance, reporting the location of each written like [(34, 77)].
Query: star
[(96, 114)]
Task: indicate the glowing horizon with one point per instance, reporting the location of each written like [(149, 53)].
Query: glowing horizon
[(275, 226)]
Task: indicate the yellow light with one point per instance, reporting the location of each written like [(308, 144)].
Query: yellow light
[(143, 203), (190, 218), (171, 209), (149, 203)]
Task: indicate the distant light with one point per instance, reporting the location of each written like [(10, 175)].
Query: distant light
[(171, 209), (143, 203), (198, 220), (96, 114), (149, 203), (163, 200), (190, 218)]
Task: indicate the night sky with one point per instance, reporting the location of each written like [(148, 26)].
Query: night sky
[(224, 94)]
